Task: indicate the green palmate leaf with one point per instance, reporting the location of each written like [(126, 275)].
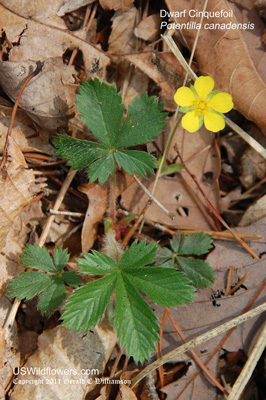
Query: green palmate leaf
[(87, 305), (60, 257), (37, 257), (166, 287), (195, 244), (138, 254), (79, 153), (71, 278), (144, 121), (101, 169), (50, 287), (51, 298), (133, 161), (199, 272), (28, 284), (96, 263), (101, 110), (134, 320), (164, 255)]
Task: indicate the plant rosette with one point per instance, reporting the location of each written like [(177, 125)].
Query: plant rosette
[(202, 105)]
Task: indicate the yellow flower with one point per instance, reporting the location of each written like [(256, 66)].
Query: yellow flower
[(202, 105)]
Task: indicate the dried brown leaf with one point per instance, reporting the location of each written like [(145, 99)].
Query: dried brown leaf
[(23, 134), (98, 203), (123, 5), (163, 69), (223, 55), (49, 96), (16, 192), (9, 356), (255, 212), (125, 393), (122, 39), (138, 84), (68, 7), (41, 9), (149, 28), (46, 103), (63, 350), (253, 38)]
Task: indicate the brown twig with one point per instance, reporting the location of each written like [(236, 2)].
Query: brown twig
[(215, 235), (229, 281), (239, 283), (215, 212), (12, 119)]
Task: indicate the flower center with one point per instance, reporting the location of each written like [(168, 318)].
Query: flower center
[(201, 106)]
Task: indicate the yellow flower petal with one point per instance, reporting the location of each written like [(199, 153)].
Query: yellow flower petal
[(190, 121), (204, 85), (213, 122), (184, 97), (221, 102)]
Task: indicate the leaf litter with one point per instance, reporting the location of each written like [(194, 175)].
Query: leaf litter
[(29, 37)]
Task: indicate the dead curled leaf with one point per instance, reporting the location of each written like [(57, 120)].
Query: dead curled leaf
[(223, 55), (49, 95), (46, 103), (21, 183), (23, 133)]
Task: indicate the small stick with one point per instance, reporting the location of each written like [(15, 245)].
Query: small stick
[(224, 235), (239, 283), (14, 111), (67, 213), (215, 212), (229, 281), (197, 341), (151, 197)]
